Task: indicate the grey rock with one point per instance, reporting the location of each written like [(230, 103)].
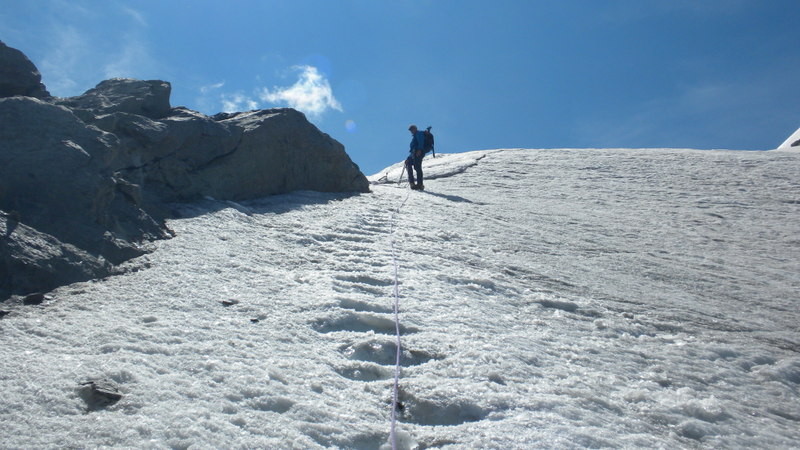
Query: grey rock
[(18, 75), (234, 156), (168, 168), (280, 151), (55, 173), (99, 393), (139, 138), (31, 261), (34, 299), (144, 98)]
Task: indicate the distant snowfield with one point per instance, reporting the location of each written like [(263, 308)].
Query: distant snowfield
[(549, 298), (787, 144)]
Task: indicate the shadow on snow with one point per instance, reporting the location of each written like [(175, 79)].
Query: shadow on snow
[(274, 204)]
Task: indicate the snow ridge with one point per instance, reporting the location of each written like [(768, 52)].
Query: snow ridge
[(792, 142)]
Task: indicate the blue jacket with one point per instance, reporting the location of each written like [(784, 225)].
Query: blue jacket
[(417, 142)]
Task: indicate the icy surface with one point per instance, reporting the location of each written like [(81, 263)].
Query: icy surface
[(549, 298)]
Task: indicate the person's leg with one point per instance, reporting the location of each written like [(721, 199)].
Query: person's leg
[(409, 169), (418, 168)]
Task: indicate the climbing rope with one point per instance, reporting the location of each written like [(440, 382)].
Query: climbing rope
[(396, 387)]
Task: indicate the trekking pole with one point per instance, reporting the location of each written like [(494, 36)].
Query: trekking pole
[(432, 149), (401, 174)]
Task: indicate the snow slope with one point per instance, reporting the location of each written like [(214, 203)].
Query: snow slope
[(549, 298), (787, 144)]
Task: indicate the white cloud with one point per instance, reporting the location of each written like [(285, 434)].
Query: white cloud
[(237, 102), (311, 94), (211, 87), (135, 15), (63, 64), (79, 57), (209, 99), (131, 61), (134, 58)]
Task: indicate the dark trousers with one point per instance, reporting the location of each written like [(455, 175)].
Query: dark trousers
[(416, 164)]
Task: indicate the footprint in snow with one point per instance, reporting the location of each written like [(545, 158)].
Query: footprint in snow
[(360, 323)]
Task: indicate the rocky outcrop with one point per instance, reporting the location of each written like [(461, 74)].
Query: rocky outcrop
[(31, 261), (143, 98), (88, 177), (55, 175), (187, 155), (18, 75), (280, 151)]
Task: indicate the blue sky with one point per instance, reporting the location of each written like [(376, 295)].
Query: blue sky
[(527, 73)]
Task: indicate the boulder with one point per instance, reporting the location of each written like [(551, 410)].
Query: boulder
[(31, 261), (18, 75), (34, 299), (55, 176), (280, 151), (145, 98), (232, 156), (99, 393)]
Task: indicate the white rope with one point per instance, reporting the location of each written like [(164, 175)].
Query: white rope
[(396, 388)]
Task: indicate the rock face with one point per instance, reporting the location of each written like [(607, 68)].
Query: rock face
[(18, 75), (144, 98), (55, 175), (298, 157), (32, 261), (84, 180), (186, 155)]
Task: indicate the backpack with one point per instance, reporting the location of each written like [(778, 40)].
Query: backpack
[(428, 146)]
